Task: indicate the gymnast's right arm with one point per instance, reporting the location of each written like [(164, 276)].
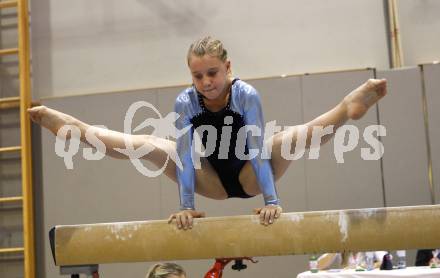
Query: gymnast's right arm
[(186, 174)]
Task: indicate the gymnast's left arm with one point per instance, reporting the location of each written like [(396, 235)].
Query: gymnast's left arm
[(253, 117)]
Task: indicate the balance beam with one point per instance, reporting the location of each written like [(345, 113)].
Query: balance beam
[(244, 236)]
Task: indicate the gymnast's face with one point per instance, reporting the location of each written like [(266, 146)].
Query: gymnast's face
[(210, 76)]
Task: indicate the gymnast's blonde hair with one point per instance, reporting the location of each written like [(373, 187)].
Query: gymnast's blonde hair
[(207, 46), (165, 270)]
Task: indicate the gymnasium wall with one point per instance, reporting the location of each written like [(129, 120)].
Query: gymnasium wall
[(106, 45), (88, 47)]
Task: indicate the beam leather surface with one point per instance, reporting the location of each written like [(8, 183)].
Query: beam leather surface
[(243, 236)]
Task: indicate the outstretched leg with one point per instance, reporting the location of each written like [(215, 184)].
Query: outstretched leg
[(54, 120), (353, 106), (208, 183)]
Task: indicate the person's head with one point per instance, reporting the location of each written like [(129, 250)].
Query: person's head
[(209, 66), (166, 270)]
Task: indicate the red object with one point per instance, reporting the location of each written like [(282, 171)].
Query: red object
[(217, 270)]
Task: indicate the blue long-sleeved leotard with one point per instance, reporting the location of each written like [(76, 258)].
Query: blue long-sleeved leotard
[(243, 108)]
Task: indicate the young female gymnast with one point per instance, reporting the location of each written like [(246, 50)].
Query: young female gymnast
[(219, 100)]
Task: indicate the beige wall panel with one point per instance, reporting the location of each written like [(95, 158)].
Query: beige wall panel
[(356, 183), (401, 112), (95, 191), (432, 86)]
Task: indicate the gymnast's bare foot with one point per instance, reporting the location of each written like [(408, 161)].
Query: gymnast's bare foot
[(49, 118), (362, 98)]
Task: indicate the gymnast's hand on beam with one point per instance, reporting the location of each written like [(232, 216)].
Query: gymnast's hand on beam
[(268, 214), (184, 218)]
